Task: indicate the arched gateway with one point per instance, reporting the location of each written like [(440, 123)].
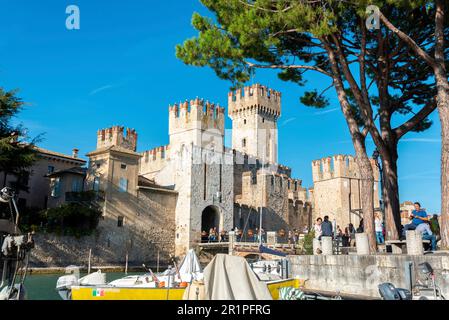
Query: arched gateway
[(210, 218)]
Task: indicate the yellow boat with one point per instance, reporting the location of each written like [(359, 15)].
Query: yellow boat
[(133, 293)]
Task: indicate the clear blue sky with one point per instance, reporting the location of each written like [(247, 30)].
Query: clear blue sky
[(120, 68)]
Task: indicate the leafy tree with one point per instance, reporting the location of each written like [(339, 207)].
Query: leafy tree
[(331, 38), (16, 156)]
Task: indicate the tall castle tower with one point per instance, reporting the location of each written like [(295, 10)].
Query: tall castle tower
[(199, 123), (254, 112)]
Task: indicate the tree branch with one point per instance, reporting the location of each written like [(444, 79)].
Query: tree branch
[(281, 66), (417, 118), (409, 41)]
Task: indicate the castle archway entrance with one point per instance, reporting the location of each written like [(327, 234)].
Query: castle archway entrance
[(210, 218)]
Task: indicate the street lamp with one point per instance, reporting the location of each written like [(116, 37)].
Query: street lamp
[(376, 156)]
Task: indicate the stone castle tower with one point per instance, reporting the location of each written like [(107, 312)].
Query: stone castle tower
[(199, 123), (337, 186), (115, 136), (114, 165), (254, 112)]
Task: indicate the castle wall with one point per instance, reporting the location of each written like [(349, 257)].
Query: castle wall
[(280, 197), (148, 228)]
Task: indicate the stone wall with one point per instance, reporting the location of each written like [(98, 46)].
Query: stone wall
[(148, 226), (361, 274)]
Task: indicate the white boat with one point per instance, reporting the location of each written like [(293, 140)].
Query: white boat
[(188, 271), (65, 283)]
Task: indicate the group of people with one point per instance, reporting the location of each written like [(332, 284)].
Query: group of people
[(214, 235), (429, 228)]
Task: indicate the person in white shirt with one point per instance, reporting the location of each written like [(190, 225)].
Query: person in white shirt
[(317, 228), (378, 226), (427, 234)]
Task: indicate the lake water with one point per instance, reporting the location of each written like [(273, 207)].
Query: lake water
[(42, 286)]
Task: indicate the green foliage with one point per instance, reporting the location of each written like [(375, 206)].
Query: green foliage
[(314, 99), (247, 35), (308, 242), (16, 156), (72, 219)]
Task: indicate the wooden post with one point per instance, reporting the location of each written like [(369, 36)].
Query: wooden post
[(88, 262), (126, 263)]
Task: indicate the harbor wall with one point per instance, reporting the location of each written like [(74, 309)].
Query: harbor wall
[(361, 274)]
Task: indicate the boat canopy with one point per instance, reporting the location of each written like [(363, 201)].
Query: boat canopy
[(190, 264), (231, 278)]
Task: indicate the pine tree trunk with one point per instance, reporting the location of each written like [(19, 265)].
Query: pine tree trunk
[(367, 196), (390, 192), (443, 110)]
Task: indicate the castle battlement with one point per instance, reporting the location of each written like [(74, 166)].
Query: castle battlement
[(155, 154), (115, 136), (338, 166), (196, 114), (255, 98)]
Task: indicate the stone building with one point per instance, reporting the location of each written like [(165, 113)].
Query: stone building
[(202, 184), (160, 200), (36, 181), (336, 189)]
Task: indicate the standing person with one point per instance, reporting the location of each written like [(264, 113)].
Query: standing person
[(211, 235), (378, 226), (339, 232), (296, 235), (326, 228), (317, 228), (351, 232), (360, 228), (291, 237), (345, 238), (418, 216), (435, 226)]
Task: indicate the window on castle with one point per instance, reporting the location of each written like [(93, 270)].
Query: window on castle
[(244, 143), (123, 185), (244, 121), (272, 181), (123, 166), (288, 184), (253, 178), (163, 153), (120, 221), (205, 182), (51, 169), (263, 120), (98, 164), (296, 185), (280, 183)]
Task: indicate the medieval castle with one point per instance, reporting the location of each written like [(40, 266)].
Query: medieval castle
[(162, 199)]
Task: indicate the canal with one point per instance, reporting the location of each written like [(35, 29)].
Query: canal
[(42, 286)]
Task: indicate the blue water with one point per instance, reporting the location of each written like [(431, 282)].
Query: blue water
[(42, 286)]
